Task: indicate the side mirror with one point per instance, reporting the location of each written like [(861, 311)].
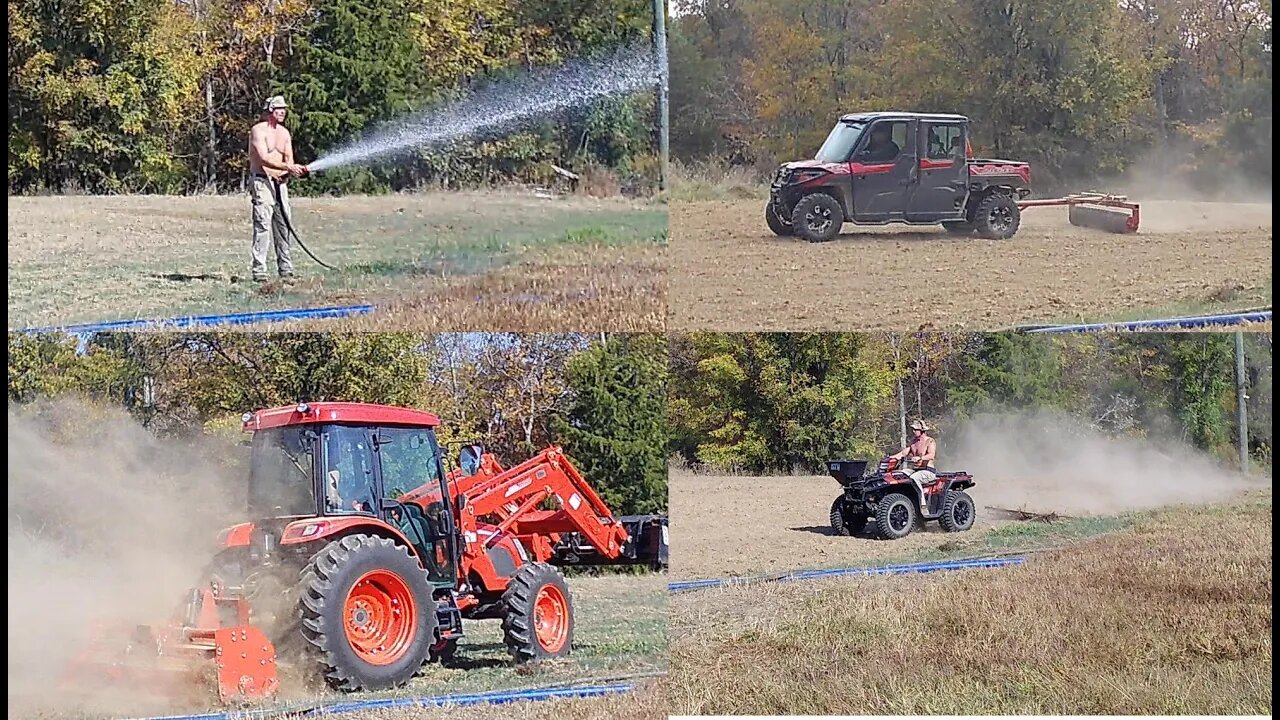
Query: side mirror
[(469, 459)]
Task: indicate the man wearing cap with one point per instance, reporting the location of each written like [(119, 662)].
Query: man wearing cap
[(920, 454), (270, 166)]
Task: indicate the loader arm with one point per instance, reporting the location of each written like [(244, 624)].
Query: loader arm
[(516, 495)]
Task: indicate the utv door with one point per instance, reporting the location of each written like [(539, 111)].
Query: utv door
[(943, 181), (881, 181)]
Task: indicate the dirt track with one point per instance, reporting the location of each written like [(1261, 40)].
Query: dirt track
[(723, 526), (729, 273)]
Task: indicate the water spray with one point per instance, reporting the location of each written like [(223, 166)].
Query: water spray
[(503, 106)]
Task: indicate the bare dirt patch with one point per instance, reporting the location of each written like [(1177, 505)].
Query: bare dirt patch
[(729, 273)]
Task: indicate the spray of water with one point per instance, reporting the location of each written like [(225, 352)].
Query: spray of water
[(503, 107)]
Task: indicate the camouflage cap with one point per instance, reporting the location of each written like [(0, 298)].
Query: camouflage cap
[(919, 425), (274, 102)]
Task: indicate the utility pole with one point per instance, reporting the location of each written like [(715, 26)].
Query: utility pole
[(1241, 397), (664, 111)]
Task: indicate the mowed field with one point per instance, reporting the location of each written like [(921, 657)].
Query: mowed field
[(621, 623), (500, 260), (730, 273), (1166, 612)]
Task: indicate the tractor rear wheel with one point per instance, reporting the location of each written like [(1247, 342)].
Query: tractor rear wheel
[(895, 516), (957, 511), (367, 612), (958, 227), (539, 614), (844, 522), (817, 218), (997, 217), (775, 221)]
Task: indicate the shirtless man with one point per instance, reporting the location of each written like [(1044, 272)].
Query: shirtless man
[(270, 166), (920, 454)]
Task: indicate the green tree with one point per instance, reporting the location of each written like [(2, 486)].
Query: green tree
[(614, 427)]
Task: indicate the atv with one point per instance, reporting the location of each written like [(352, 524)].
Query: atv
[(890, 499), (898, 167)]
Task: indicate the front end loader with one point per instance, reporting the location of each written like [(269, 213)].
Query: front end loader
[(362, 556)]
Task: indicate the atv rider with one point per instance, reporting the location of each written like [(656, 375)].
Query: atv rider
[(881, 148), (920, 453), (270, 165)]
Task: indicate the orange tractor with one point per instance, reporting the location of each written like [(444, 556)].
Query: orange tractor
[(364, 556)]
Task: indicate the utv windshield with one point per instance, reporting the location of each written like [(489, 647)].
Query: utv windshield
[(840, 142), (281, 468)]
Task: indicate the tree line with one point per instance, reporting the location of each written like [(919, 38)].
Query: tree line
[(601, 398), (773, 403), (111, 96), (1083, 89)]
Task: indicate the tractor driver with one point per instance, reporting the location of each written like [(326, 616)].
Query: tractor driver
[(881, 148), (920, 453)]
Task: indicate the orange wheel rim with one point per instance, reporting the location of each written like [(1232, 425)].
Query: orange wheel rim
[(551, 618), (379, 617)]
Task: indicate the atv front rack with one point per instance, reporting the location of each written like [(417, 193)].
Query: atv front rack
[(1100, 211)]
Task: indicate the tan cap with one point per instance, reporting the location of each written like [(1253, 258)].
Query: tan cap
[(919, 425), (274, 102)]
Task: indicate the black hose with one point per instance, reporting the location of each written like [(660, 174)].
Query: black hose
[(275, 188)]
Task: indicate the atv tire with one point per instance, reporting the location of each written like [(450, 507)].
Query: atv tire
[(776, 223), (367, 613), (997, 217), (817, 218), (958, 227), (895, 516), (957, 511), (844, 523), (539, 614)]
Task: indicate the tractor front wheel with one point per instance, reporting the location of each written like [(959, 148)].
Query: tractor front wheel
[(775, 221), (844, 522), (539, 614), (997, 217), (957, 511), (895, 516), (367, 613), (817, 218)]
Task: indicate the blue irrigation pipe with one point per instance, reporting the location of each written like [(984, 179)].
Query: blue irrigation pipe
[(191, 321), (1198, 321), (499, 697), (689, 585)]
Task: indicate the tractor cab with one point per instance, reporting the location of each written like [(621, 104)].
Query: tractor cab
[(348, 461)]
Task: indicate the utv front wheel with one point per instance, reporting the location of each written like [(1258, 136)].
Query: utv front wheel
[(957, 511), (895, 516), (844, 522), (775, 222), (817, 218), (367, 613), (539, 614), (997, 217)]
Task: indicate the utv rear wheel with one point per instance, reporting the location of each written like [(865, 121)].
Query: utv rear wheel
[(844, 522), (997, 217), (958, 227), (895, 516), (957, 511), (817, 218), (367, 612), (539, 614), (775, 222)]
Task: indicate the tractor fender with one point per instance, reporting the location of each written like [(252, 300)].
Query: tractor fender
[(309, 530)]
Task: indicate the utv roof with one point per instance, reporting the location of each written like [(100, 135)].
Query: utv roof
[(902, 115), (338, 412)]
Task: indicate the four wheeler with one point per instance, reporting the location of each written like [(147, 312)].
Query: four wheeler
[(364, 556), (888, 498)]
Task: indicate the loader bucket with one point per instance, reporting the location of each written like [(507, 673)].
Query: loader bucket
[(1119, 220)]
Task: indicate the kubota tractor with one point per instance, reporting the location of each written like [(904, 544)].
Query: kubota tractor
[(363, 555), (888, 497), (917, 168)]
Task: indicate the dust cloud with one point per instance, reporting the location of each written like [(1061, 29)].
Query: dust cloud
[(107, 522), (1048, 462)]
